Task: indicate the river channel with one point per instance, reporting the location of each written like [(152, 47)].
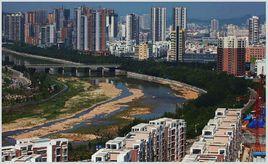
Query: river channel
[(159, 98)]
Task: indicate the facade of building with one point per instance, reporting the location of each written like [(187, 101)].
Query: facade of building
[(61, 17), (112, 24), (221, 139), (256, 52), (132, 28), (160, 140), (32, 27), (160, 48), (180, 18), (254, 30), (37, 150), (214, 25), (177, 45), (158, 24), (13, 27), (144, 51), (90, 32), (144, 22), (214, 28), (48, 35), (260, 67), (231, 55)]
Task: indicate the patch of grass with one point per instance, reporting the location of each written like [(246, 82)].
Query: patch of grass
[(53, 108)]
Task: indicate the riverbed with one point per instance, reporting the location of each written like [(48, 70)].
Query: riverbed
[(157, 98)]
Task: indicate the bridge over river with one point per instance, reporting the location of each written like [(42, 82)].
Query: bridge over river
[(75, 69)]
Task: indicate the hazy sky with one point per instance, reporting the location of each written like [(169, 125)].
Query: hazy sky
[(197, 10)]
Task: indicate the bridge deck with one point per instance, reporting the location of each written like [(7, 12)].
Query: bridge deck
[(71, 66)]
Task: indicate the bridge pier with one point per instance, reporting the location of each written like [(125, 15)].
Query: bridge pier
[(47, 70), (87, 72), (61, 70), (52, 71), (74, 69)]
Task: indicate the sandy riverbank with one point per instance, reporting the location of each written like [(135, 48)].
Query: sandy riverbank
[(102, 109), (130, 114), (106, 89), (77, 137), (185, 92)]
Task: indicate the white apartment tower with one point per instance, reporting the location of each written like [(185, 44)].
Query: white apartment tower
[(214, 25), (158, 24), (254, 30)]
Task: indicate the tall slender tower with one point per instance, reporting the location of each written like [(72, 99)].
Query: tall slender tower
[(158, 23), (112, 23), (132, 28), (254, 30), (177, 46), (180, 18)]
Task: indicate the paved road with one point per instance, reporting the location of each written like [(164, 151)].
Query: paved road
[(41, 57)]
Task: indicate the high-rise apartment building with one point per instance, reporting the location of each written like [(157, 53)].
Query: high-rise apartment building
[(100, 22), (231, 54), (254, 30), (13, 27), (177, 45), (61, 17), (214, 25), (33, 21), (159, 141), (132, 28), (112, 24), (214, 28), (145, 22), (81, 28), (48, 35), (90, 30), (180, 18), (37, 150), (158, 24)]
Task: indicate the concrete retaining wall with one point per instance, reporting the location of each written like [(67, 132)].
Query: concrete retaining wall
[(163, 81)]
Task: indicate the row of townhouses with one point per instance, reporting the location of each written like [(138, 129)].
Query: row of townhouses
[(159, 140), (37, 150), (220, 140)]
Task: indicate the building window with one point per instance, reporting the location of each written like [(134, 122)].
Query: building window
[(219, 114), (98, 159), (208, 133), (58, 159), (196, 151), (221, 151)]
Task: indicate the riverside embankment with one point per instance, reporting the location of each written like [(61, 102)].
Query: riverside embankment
[(186, 91)]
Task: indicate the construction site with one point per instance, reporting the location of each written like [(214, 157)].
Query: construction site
[(254, 128)]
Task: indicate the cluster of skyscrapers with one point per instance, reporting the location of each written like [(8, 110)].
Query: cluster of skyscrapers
[(101, 31), (93, 30)]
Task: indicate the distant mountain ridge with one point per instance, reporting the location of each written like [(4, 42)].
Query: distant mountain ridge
[(236, 21)]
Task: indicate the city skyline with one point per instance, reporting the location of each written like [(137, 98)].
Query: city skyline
[(134, 82), (198, 10)]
